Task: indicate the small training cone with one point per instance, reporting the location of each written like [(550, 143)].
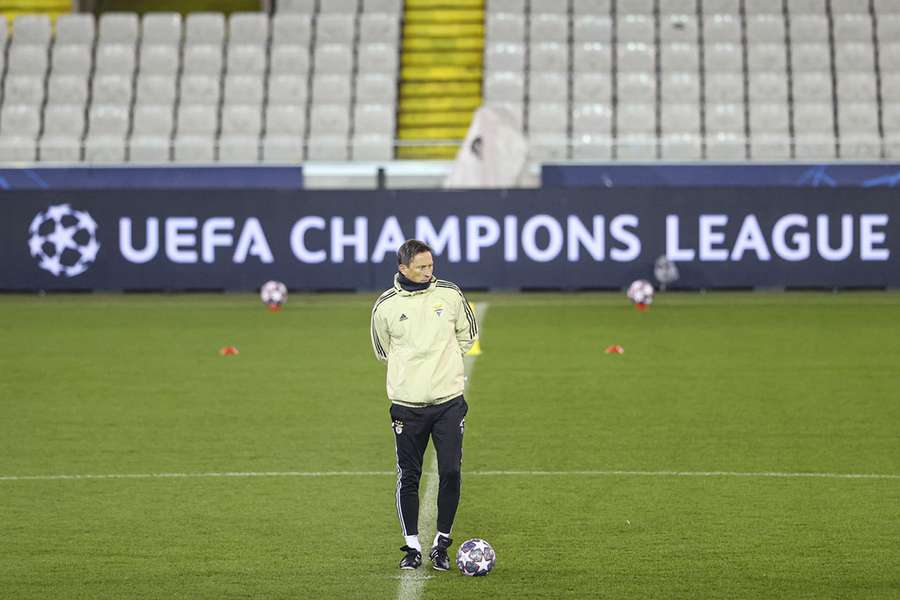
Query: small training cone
[(274, 307), (615, 349), (228, 351), (641, 307)]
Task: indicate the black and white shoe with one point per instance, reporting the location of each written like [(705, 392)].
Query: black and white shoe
[(438, 555), (412, 560)]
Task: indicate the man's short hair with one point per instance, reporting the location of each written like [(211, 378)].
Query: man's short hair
[(410, 249)]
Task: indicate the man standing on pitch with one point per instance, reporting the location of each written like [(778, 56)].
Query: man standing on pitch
[(422, 327)]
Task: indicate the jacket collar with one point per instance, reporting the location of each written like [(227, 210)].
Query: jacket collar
[(403, 292)]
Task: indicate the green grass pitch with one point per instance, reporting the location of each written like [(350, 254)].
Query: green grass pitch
[(593, 475)]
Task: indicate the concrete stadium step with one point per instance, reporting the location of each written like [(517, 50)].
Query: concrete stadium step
[(440, 76)]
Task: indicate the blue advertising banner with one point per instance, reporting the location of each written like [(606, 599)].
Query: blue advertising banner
[(120, 178), (722, 175), (566, 239)]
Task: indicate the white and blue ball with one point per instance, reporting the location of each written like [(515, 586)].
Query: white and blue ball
[(475, 558), (641, 292), (273, 293)]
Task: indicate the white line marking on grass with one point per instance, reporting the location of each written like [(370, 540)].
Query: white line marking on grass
[(320, 474), (411, 585)]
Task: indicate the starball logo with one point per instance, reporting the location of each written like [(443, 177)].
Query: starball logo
[(63, 240)]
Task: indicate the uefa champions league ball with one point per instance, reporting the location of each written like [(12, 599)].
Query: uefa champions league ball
[(475, 558), (641, 292), (63, 240), (273, 293)]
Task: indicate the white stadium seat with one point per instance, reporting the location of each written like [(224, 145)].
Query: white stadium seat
[(279, 148), (204, 28), (248, 28), (149, 149), (118, 28), (197, 119), (59, 148), (193, 148), (284, 119), (161, 28), (200, 89), (75, 28), (592, 119), (372, 147), (239, 149), (64, 120), (291, 29)]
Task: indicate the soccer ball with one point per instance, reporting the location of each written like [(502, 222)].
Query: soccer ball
[(273, 293), (641, 292), (64, 240), (475, 558)]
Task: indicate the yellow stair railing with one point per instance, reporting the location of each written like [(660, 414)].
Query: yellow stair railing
[(440, 76), (12, 8)]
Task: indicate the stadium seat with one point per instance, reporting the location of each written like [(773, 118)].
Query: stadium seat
[(377, 58), (724, 87), (326, 147), (854, 56), (884, 7), (118, 28), (112, 89), (292, 60), (889, 57), (504, 57), (31, 30), (592, 29), (812, 86), (767, 87), (857, 118), (721, 28), (502, 27), (636, 58), (636, 118), (548, 56), (548, 28), (860, 146), (632, 28), (150, 119), (340, 7), (723, 58), (890, 118), (680, 118), (810, 57), (592, 58), (67, 89), (514, 110), (331, 89), (158, 59), (548, 147), (548, 117), (770, 146), (805, 7), (814, 146), (852, 28), (890, 86), (769, 117), (149, 149), (64, 120), (814, 117), (23, 89), (278, 148), (636, 147), (115, 59), (59, 148), (504, 86), (592, 147), (200, 89), (246, 59), (192, 148), (591, 87), (548, 7), (636, 87), (391, 7), (766, 28), (75, 29), (809, 28), (678, 86), (244, 89), (241, 119), (379, 28), (329, 119), (335, 29), (71, 59), (238, 149), (677, 7), (15, 148), (853, 87), (505, 6), (678, 28), (248, 28), (724, 118), (107, 149), (163, 28), (202, 59), (287, 89), (725, 146), (892, 147), (204, 28), (376, 87), (291, 30), (590, 7), (20, 120), (547, 87), (635, 7), (335, 58), (679, 57), (372, 146), (286, 119), (681, 146), (27, 60), (768, 7), (197, 119), (591, 119), (296, 6), (767, 57), (108, 120)]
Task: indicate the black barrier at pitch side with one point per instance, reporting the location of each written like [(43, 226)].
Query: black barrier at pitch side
[(567, 239)]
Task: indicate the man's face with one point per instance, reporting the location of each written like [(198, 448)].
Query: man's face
[(420, 268)]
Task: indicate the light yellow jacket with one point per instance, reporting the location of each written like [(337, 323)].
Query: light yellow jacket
[(422, 336)]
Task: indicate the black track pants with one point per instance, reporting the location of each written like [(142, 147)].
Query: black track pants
[(444, 423)]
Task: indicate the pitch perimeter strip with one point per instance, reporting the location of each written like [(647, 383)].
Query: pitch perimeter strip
[(412, 582), (324, 474)]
